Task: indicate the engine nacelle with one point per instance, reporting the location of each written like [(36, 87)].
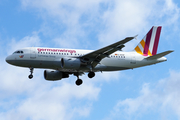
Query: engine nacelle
[(54, 75), (70, 63)]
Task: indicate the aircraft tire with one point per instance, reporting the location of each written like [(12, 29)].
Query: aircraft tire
[(30, 76), (79, 82), (91, 74)]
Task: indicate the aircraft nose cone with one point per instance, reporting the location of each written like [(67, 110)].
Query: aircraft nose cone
[(8, 60)]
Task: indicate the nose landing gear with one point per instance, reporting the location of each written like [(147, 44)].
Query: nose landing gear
[(31, 71), (30, 76)]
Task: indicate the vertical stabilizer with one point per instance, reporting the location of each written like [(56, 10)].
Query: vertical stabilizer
[(149, 44)]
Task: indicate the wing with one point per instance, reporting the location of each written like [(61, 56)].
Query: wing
[(93, 58)]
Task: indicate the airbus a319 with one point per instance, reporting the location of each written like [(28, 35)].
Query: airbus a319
[(60, 63)]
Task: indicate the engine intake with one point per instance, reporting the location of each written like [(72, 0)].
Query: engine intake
[(54, 75), (70, 63)]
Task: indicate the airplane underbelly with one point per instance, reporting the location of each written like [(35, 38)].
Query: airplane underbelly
[(117, 62)]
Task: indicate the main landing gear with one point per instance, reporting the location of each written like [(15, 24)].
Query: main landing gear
[(31, 71), (91, 74), (79, 81)]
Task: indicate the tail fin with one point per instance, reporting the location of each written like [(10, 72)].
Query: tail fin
[(149, 44)]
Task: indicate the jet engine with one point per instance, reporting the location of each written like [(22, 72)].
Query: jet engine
[(70, 63), (54, 75)]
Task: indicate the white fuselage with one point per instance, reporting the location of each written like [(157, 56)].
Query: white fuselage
[(50, 58)]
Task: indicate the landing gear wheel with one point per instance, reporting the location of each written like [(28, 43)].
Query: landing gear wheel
[(31, 71), (79, 82), (91, 74), (30, 76)]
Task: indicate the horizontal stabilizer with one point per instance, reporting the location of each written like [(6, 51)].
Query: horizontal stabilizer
[(159, 55)]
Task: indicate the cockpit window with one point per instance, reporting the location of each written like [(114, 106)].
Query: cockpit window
[(18, 52), (15, 52)]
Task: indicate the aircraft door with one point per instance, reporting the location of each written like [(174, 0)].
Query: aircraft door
[(32, 53)]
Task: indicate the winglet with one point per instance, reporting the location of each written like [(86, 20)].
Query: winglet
[(159, 55)]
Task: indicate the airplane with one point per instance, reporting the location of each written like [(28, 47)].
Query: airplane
[(60, 63)]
